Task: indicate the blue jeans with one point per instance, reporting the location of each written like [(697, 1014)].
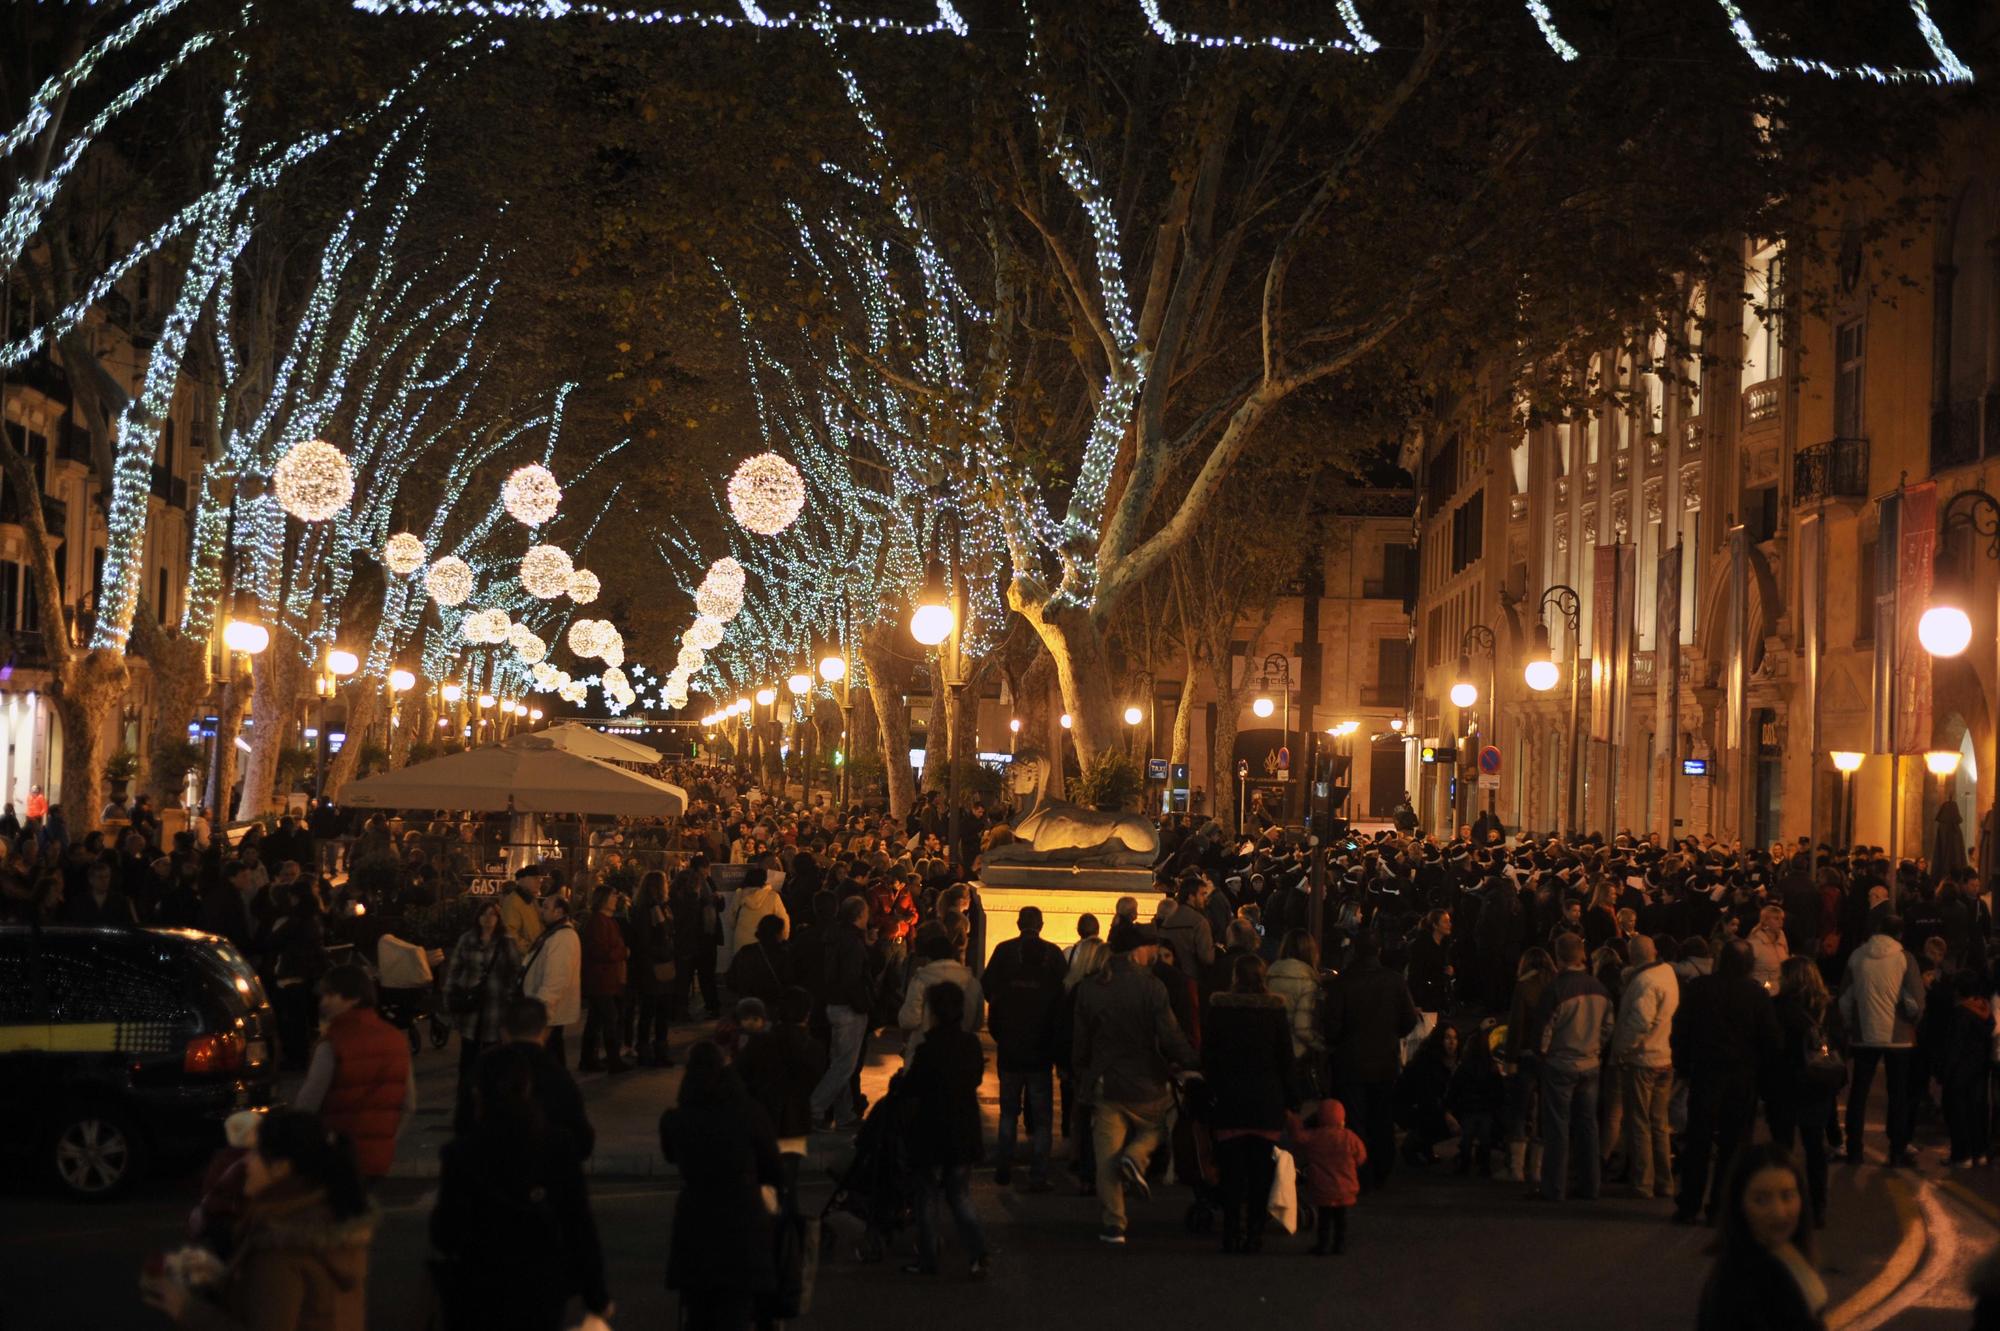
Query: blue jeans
[(834, 1094), (1569, 1123), (951, 1185), (1034, 1092)]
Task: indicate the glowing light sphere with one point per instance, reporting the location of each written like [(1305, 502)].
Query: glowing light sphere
[(583, 586), (1542, 675), (586, 636), (314, 481), (705, 633), (1464, 694), (341, 663), (486, 627), (1263, 707), (612, 650), (402, 681), (544, 675), (932, 624), (449, 581), (246, 636), (675, 699), (614, 680), (718, 601), (1944, 630), (573, 692), (833, 669), (531, 495), (403, 553), (766, 494), (727, 574), (690, 659), (545, 572), (527, 644)]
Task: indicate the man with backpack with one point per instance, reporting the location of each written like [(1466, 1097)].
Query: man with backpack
[(1881, 999)]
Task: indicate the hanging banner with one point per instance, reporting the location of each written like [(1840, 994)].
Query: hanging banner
[(1735, 663), (1916, 547), (1882, 699)]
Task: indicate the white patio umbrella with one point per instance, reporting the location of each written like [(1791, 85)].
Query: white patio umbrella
[(580, 739), (528, 774)]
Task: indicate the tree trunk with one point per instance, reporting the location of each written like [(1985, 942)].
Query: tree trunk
[(275, 676), (1041, 718), (91, 689), (1183, 740), (1076, 644), (364, 705), (888, 676), (1222, 754), (228, 725), (180, 678)]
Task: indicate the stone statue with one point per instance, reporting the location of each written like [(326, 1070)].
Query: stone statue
[(1050, 831)]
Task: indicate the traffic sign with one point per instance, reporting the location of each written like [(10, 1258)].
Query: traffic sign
[(1489, 761), (1156, 769), (1489, 781)]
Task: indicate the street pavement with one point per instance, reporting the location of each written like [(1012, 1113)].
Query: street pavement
[(1433, 1249)]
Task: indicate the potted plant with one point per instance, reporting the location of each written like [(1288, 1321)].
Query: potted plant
[(119, 769), (173, 760)]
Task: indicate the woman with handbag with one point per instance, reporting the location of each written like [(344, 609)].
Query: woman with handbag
[(649, 941), (1810, 1072), (478, 981)]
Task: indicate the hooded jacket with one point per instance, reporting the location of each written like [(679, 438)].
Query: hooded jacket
[(945, 971), (1640, 1038), (296, 1268), (1297, 983), (1329, 1156), (1882, 995), (1125, 1036)]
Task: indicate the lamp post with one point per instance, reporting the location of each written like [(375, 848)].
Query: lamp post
[(833, 669), (338, 665), (800, 686), (1542, 674), (1465, 694), (934, 623), (1847, 763), (1279, 666), (1945, 630), (1942, 764)]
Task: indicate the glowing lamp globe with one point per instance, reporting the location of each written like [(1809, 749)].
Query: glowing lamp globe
[(313, 482), (527, 644), (690, 659), (766, 494), (449, 581), (1944, 630), (403, 553), (583, 586), (1263, 707), (1015, 725), (486, 700), (246, 636), (932, 624), (1133, 716), (545, 572), (342, 663), (534, 713), (832, 669), (1846, 761), (799, 684), (1464, 694), (402, 681), (1066, 721), (766, 696), (452, 692), (531, 495), (1542, 675), (741, 705), (1942, 762)]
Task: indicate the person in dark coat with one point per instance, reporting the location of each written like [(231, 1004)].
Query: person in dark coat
[(721, 1261), (697, 930), (763, 970), (1024, 993), (944, 1130), (779, 1067), (1798, 1099), (1421, 1091), (524, 1021), (1367, 1013), (1247, 1060), (512, 1224), (1725, 1040), (649, 945), (1763, 1278)]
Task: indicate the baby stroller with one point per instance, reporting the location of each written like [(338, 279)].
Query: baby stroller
[(406, 989), (878, 1185), (1194, 1152)]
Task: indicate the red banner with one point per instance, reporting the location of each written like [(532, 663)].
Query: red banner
[(1916, 554)]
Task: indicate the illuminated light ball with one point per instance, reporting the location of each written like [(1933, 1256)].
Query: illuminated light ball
[(675, 699), (727, 574), (1944, 630), (614, 680), (766, 494), (531, 495), (586, 636), (612, 651), (705, 633), (403, 553), (545, 572), (718, 602), (573, 692), (583, 586), (527, 644), (449, 581), (486, 626), (314, 481), (1542, 675), (690, 659), (562, 679), (544, 676)]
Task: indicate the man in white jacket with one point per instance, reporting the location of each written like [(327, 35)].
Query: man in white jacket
[(940, 966), (1881, 998), (553, 972), (1645, 1063)]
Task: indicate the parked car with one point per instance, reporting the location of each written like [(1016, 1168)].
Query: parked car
[(119, 1047)]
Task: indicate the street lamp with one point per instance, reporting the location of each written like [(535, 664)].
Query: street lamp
[(766, 696), (1563, 599), (1263, 707), (1465, 696), (833, 669), (246, 636), (453, 693), (1847, 763), (339, 665), (1943, 763), (1278, 666), (1066, 722), (1945, 629)]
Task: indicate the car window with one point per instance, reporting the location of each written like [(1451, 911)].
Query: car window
[(17, 984), (130, 983)]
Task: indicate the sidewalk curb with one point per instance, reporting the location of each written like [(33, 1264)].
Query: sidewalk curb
[(1966, 1196), (1901, 1265)]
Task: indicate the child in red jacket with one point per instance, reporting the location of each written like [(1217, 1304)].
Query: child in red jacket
[(1329, 1160)]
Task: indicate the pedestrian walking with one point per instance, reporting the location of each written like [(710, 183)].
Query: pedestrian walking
[(479, 979), (650, 971), (1642, 1060), (1247, 1059), (1330, 1158), (361, 1080), (552, 973), (720, 1259), (1800, 1091), (1881, 1000), (1764, 1277), (1368, 1012), (1725, 1040), (1576, 1024), (602, 972), (1023, 985), (848, 991), (944, 1130)]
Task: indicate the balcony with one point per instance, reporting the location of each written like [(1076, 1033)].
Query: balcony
[(1837, 469), (73, 443), (1957, 433), (43, 373), (169, 488), (55, 513), (1762, 404), (1642, 670)]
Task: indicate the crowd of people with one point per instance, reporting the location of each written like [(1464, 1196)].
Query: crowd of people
[(1569, 1015)]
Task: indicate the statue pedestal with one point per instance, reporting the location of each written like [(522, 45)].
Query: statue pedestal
[(1063, 892)]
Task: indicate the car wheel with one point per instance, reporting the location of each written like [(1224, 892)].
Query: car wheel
[(95, 1152)]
